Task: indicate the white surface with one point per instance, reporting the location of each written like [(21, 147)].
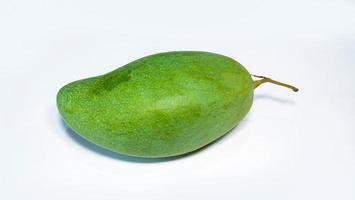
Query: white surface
[(290, 146)]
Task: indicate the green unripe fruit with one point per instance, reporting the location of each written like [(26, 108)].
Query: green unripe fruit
[(161, 105)]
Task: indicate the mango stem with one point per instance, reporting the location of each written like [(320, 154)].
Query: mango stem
[(269, 80)]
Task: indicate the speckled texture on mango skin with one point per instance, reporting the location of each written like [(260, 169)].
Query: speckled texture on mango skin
[(161, 105)]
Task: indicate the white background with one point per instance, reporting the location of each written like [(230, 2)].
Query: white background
[(290, 146)]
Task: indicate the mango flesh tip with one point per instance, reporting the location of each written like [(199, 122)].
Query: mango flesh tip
[(161, 105)]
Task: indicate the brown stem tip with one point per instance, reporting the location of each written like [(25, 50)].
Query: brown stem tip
[(269, 80)]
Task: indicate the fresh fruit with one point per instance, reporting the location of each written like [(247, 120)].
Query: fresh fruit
[(161, 105)]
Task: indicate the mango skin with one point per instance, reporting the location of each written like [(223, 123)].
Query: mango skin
[(161, 105)]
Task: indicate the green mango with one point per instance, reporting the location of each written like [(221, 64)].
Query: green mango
[(161, 105)]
